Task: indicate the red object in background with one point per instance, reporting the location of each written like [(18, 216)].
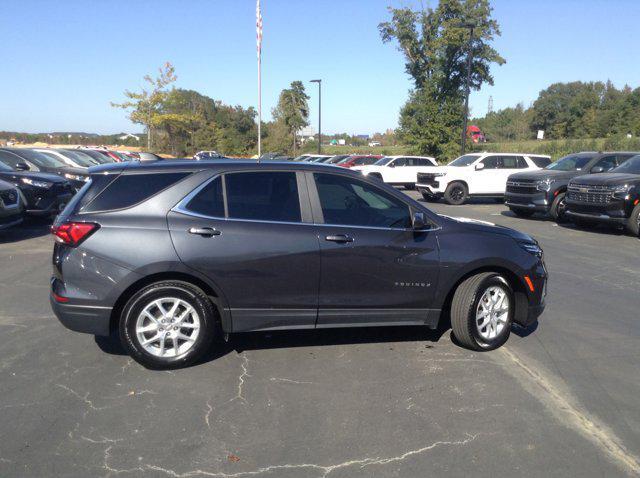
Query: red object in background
[(360, 160), (476, 134)]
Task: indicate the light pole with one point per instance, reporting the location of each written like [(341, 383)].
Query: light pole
[(319, 114), (470, 26)]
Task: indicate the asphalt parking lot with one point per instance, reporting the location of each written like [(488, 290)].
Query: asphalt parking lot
[(562, 399)]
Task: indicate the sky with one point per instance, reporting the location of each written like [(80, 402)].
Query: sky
[(62, 63)]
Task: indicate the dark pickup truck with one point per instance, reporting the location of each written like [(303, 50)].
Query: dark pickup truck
[(545, 190), (612, 198)]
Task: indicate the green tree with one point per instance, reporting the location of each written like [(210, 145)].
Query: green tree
[(145, 104), (292, 110), (435, 44)]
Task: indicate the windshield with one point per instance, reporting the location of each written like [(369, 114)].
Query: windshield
[(466, 160), (336, 159), (39, 159), (570, 163), (383, 161), (630, 166), (80, 158)]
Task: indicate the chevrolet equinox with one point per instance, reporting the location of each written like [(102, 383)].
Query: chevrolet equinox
[(173, 254)]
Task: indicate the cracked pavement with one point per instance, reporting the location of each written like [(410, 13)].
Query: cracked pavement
[(559, 400)]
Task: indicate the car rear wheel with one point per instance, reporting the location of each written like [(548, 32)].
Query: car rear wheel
[(558, 208), (482, 311), (521, 212), (168, 324), (456, 194), (633, 223)]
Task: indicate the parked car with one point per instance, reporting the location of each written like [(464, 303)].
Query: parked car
[(302, 157), (476, 175), (43, 194), (207, 155), (609, 198), (73, 159), (358, 160), (22, 159), (397, 170), (544, 190), (11, 206), (231, 246), (336, 159), (92, 153)]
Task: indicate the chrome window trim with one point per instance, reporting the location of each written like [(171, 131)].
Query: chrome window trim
[(182, 209)]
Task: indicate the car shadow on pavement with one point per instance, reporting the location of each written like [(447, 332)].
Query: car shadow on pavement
[(595, 229), (536, 217), (299, 338), (29, 229)]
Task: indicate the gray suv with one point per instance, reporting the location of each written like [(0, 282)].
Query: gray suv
[(172, 254)]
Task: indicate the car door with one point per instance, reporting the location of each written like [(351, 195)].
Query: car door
[(487, 179), (508, 166), (607, 163), (251, 234), (375, 269), (396, 170)]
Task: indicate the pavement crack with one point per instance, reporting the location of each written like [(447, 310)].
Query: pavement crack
[(323, 470), (245, 373), (287, 380), (208, 414)]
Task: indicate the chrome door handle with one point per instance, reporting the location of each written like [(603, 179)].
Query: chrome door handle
[(204, 231), (342, 238)]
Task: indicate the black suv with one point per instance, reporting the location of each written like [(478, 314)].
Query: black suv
[(22, 159), (43, 194), (545, 190), (612, 198), (173, 253)]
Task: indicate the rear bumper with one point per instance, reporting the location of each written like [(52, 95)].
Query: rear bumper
[(82, 318)]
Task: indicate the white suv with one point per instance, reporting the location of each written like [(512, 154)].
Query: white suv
[(479, 174), (398, 170)]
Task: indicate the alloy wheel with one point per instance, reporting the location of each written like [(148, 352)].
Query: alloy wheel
[(492, 313), (167, 327)]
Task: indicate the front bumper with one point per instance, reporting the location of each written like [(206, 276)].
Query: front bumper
[(614, 212), (599, 218), (434, 189), (8, 221), (533, 202), (47, 205)]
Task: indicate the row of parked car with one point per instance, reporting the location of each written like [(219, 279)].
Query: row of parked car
[(586, 188), (41, 181)]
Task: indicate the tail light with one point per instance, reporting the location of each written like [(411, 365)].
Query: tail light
[(74, 233)]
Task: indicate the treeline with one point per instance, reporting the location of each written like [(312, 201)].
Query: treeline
[(568, 110), (85, 139)]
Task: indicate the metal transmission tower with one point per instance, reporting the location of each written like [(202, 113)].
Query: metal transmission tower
[(490, 105)]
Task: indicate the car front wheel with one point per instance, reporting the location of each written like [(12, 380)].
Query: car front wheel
[(482, 311), (168, 324), (456, 194), (633, 223)]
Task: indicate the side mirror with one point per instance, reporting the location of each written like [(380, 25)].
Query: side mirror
[(419, 221), (22, 167), (479, 166), (597, 169)]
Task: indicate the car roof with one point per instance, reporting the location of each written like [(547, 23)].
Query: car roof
[(206, 164)]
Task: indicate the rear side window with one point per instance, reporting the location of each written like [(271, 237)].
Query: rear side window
[(540, 161), (130, 189), (264, 196), (209, 201), (10, 159)]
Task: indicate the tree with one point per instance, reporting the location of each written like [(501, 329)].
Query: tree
[(144, 105), (292, 110), (435, 44)]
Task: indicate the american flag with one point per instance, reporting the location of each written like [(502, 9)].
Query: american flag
[(258, 28)]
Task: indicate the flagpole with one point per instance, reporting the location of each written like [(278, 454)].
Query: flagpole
[(259, 107), (259, 51)]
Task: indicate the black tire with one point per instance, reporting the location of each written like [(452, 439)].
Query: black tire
[(456, 194), (410, 186), (184, 291), (633, 223), (465, 304), (521, 212), (558, 208)]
